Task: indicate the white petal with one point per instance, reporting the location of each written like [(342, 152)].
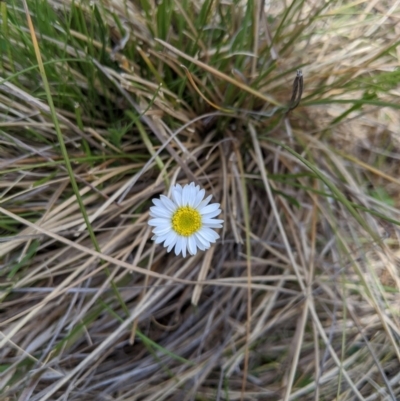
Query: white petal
[(156, 211), (204, 203), (177, 188), (157, 202), (168, 203), (201, 240), (178, 246), (192, 194), (177, 197), (171, 240), (161, 238), (212, 214), (157, 221), (170, 246), (166, 224), (211, 221), (208, 234), (195, 192), (186, 195), (162, 230), (209, 209), (192, 245), (212, 225), (184, 246), (199, 197), (199, 244)]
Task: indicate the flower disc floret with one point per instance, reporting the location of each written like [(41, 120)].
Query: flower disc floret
[(186, 220)]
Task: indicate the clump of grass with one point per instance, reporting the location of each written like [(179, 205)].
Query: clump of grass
[(106, 104)]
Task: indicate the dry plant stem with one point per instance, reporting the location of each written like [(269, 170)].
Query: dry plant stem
[(245, 204), (297, 342), (59, 134), (115, 261), (146, 233), (149, 298), (220, 75), (27, 354), (382, 314), (273, 205), (205, 266), (310, 280), (148, 122), (294, 265), (14, 90), (256, 35), (64, 209), (20, 143), (191, 80), (371, 351)]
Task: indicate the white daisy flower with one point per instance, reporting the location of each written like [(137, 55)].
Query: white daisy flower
[(186, 221)]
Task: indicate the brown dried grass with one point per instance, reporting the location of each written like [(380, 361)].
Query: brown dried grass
[(297, 301)]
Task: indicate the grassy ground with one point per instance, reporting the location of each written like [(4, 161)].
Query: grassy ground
[(104, 105)]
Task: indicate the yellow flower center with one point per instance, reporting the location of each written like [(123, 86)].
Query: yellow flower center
[(186, 221)]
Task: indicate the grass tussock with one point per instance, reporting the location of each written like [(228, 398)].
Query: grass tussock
[(104, 105)]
